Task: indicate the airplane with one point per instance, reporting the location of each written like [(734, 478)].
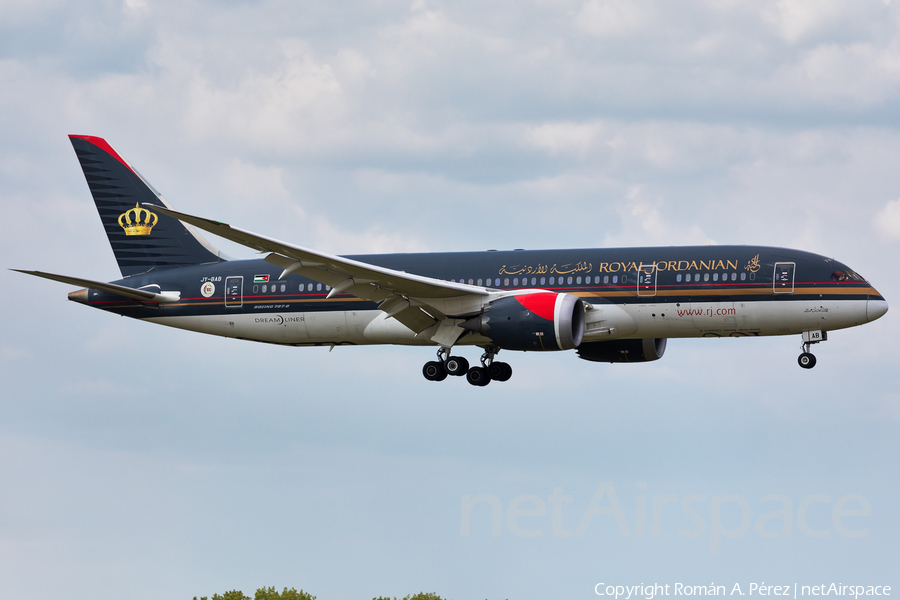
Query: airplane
[(616, 305)]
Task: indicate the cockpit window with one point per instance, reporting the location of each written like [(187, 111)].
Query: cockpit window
[(847, 275)]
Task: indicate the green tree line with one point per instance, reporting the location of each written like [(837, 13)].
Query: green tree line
[(271, 593)]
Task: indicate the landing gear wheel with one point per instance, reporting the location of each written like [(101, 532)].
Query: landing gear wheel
[(478, 376), (456, 366), (500, 371), (434, 371), (806, 360)]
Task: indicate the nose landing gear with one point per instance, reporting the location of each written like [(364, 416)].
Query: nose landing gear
[(807, 359), (490, 370)]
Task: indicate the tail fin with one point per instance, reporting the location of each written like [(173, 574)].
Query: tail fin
[(140, 239)]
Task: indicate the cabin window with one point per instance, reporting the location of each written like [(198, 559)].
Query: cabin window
[(543, 280), (283, 287), (578, 280), (606, 279), (506, 282), (255, 289), (715, 276), (265, 288), (706, 277), (624, 278), (615, 279), (569, 280), (743, 276), (678, 277), (471, 282), (734, 276), (480, 282), (497, 282), (318, 287), (534, 281)]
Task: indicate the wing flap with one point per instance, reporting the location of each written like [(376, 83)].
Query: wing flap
[(415, 318)]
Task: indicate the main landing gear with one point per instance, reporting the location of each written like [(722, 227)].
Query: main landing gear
[(490, 370), (807, 359)]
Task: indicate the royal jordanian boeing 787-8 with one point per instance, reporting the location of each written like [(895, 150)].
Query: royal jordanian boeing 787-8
[(607, 304)]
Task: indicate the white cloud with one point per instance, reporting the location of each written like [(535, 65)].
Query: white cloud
[(614, 18), (565, 137), (794, 19), (135, 6), (887, 221), (252, 183)]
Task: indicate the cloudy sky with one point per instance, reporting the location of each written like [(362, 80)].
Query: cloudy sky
[(142, 462)]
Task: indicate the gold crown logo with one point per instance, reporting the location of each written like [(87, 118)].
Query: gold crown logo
[(137, 221)]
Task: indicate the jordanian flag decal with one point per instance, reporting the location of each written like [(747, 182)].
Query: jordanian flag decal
[(260, 278)]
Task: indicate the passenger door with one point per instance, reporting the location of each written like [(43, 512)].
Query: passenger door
[(783, 282), (234, 292)]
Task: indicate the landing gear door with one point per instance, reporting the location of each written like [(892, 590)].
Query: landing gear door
[(234, 292), (784, 278), (646, 284)]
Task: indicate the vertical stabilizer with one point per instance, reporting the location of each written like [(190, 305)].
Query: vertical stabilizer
[(141, 239)]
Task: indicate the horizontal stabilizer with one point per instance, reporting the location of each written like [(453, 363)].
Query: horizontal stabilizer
[(111, 288)]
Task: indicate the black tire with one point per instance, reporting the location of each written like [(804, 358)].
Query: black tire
[(500, 371), (478, 376), (806, 360), (507, 372), (456, 366), (434, 371)]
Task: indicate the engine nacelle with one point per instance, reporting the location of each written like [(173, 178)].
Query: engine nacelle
[(537, 321), (623, 351)]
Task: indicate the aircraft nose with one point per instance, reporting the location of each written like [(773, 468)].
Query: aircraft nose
[(875, 308)]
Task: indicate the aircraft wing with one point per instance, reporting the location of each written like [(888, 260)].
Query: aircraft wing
[(112, 288), (403, 296)]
